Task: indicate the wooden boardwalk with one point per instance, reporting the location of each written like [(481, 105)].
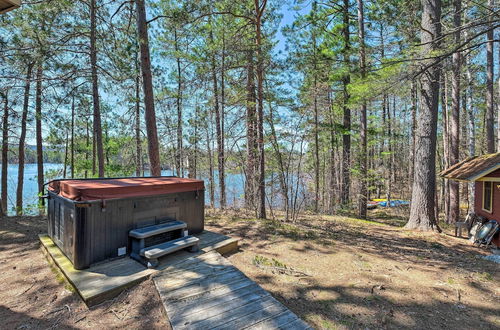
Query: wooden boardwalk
[(208, 292)]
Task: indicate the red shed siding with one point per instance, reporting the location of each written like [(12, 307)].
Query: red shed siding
[(494, 174), (495, 210)]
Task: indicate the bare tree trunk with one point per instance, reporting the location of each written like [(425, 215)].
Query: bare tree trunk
[(413, 128), (281, 166), (455, 115), (346, 136), (87, 144), (194, 174), (65, 167), (259, 11), (211, 169), (422, 214), (490, 134), (251, 140), (138, 151), (94, 156), (72, 157), (390, 169), (445, 200), (5, 151), (471, 112), (363, 191), (316, 146), (95, 90), (333, 176), (218, 131), (222, 151), (147, 81), (178, 102), (22, 142), (38, 125)]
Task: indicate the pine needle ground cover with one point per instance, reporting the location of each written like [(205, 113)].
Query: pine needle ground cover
[(342, 273)]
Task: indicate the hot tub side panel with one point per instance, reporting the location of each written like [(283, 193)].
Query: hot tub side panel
[(101, 228), (61, 223)]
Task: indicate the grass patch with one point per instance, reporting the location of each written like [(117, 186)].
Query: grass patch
[(486, 276), (263, 261)]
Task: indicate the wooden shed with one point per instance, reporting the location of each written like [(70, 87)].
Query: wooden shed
[(92, 220), (484, 171), (7, 5)]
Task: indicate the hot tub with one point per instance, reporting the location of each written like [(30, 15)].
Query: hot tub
[(90, 219)]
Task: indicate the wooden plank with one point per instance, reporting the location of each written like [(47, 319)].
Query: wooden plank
[(298, 324), (235, 313), (215, 294), (195, 262), (222, 310), (254, 316), (218, 305), (283, 320), (224, 247), (191, 277), (206, 285), (213, 297)]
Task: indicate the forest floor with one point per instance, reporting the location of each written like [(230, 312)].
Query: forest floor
[(34, 293), (334, 272), (344, 273)]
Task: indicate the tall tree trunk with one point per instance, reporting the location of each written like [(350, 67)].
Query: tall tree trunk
[(363, 166), (147, 81), (38, 125), (72, 157), (22, 141), (210, 169), (5, 151), (422, 214), (259, 11), (194, 174), (445, 200), (281, 167), (66, 147), (346, 136), (455, 114), (390, 169), (218, 131), (138, 149), (490, 134), (95, 89), (333, 176), (316, 144), (222, 151), (251, 139), (178, 102), (471, 114), (413, 129)]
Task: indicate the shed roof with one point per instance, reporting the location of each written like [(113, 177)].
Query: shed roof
[(473, 168), (6, 5)]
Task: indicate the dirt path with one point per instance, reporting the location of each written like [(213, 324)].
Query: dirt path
[(35, 296), (340, 273)]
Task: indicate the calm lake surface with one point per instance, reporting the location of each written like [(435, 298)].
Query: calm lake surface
[(234, 185)]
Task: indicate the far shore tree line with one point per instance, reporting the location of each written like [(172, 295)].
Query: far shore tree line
[(352, 100)]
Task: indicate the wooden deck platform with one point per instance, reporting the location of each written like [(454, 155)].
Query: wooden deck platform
[(106, 280), (208, 292)]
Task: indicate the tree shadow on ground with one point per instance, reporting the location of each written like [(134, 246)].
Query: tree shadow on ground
[(358, 307), (409, 254)]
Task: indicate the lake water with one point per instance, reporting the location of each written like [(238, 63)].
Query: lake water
[(234, 185)]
